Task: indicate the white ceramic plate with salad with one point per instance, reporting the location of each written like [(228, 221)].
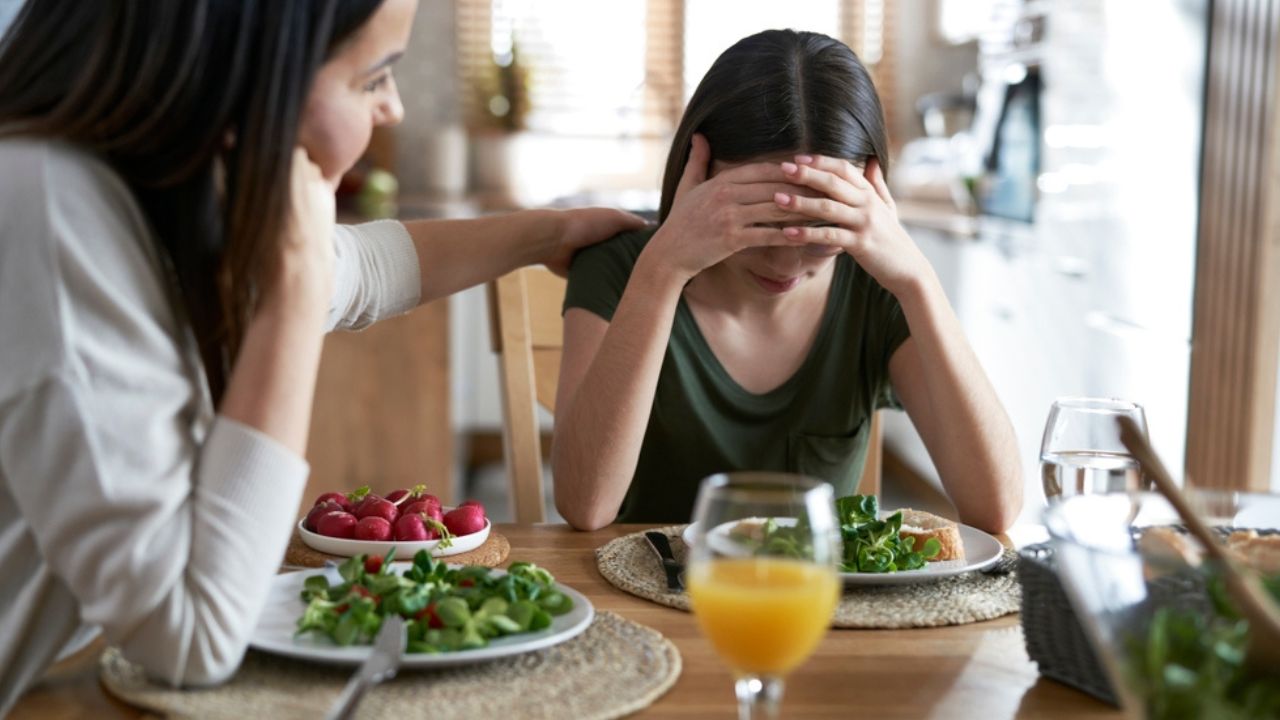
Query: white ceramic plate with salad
[(980, 550), (276, 630), (405, 550)]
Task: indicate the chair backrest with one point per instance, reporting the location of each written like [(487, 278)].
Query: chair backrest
[(527, 332)]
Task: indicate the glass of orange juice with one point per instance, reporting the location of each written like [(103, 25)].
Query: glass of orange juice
[(762, 577)]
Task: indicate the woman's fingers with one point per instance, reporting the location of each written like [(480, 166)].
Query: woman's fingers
[(747, 193), (829, 235)]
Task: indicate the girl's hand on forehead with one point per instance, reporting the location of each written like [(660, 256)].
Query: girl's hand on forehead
[(713, 218), (853, 211)]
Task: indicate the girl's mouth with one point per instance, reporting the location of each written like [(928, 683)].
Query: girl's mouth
[(776, 287)]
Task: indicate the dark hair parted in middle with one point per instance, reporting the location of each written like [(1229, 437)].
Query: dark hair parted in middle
[(781, 91)]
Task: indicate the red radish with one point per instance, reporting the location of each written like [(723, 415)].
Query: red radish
[(373, 563), (313, 515), (426, 508), (395, 495), (378, 508), (412, 527), (372, 527), (465, 519), (364, 501), (338, 524), (334, 497), (473, 502)]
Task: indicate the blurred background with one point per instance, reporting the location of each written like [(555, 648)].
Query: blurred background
[(1046, 158)]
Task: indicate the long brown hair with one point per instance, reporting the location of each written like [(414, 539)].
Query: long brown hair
[(781, 91), (196, 104)]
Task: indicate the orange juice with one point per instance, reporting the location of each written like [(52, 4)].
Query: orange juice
[(763, 615)]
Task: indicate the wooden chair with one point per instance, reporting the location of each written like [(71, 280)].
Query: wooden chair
[(527, 332)]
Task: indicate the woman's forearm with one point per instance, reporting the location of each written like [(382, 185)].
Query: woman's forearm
[(454, 255), (600, 428), (272, 386), (973, 443)]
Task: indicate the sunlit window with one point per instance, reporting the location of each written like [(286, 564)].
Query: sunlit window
[(621, 68)]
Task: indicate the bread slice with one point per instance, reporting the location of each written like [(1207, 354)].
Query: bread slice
[(923, 525), (1260, 552)]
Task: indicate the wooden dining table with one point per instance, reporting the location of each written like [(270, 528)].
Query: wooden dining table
[(980, 670)]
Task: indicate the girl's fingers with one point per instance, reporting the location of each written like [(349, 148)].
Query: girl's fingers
[(825, 235), (764, 237), (748, 193), (875, 175), (763, 213), (839, 167), (826, 183), (695, 170), (824, 209)]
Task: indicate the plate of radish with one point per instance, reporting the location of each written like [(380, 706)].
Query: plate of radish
[(405, 521)]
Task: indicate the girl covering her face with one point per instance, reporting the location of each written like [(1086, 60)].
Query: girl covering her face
[(778, 304)]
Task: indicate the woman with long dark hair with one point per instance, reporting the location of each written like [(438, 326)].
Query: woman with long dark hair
[(168, 266), (778, 304)]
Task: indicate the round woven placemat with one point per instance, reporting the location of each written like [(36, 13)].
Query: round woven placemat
[(630, 565), (612, 669), (491, 553)]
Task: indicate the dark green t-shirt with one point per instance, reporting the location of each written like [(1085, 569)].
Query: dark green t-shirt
[(703, 422)]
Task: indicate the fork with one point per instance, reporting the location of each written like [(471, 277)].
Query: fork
[(380, 666)]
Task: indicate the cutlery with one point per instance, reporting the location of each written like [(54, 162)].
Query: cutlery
[(1251, 599), (662, 546), (381, 665)]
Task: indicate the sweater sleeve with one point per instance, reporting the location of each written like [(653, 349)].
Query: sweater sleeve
[(376, 274), (164, 522)]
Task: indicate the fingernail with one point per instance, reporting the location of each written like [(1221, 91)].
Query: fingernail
[(791, 232), (790, 168), (782, 198), (804, 159)]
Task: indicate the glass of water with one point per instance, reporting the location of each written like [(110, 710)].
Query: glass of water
[(1082, 454)]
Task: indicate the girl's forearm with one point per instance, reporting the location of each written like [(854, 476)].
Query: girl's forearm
[(600, 429), (975, 449)]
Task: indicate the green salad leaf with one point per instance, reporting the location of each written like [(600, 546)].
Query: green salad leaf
[(871, 545), (1190, 664), (446, 609)]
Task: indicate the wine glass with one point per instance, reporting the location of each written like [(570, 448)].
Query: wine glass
[(1081, 452), (762, 577)]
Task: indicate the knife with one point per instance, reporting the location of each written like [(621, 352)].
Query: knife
[(381, 665), (662, 546)]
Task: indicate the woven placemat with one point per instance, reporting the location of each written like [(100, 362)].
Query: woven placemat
[(612, 669), (629, 564), (491, 553)]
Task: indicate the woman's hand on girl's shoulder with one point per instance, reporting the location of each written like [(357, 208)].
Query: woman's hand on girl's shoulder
[(861, 218), (711, 219), (582, 227)]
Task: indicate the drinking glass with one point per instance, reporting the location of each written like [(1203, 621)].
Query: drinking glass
[(1081, 452), (762, 577)]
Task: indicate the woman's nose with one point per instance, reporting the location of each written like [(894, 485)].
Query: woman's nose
[(390, 111)]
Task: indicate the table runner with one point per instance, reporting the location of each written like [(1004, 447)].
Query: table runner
[(629, 564), (614, 668), (491, 553)]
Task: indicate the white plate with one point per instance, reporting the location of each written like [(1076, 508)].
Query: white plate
[(279, 621), (404, 550), (980, 550)]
